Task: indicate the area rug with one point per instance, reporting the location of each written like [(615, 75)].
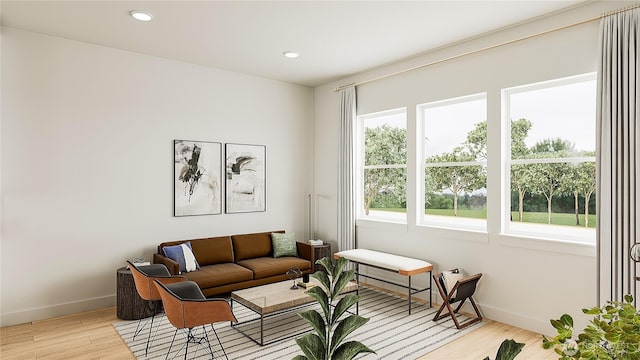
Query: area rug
[(391, 332)]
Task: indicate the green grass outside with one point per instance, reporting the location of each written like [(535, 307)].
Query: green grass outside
[(556, 218), (528, 217), (476, 214)]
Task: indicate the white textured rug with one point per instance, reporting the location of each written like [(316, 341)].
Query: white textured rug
[(391, 332)]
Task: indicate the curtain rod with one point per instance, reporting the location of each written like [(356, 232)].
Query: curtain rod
[(631, 7)]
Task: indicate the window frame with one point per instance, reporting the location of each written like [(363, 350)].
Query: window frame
[(361, 167), (448, 222), (509, 228)]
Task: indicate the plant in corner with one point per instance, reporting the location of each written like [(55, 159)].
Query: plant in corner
[(508, 350), (613, 333), (326, 342)]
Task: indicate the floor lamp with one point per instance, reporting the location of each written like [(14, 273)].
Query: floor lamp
[(313, 233)]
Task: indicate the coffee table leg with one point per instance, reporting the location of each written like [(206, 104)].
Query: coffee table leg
[(261, 329)]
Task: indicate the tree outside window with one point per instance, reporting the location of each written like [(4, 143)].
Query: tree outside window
[(552, 162), (384, 169), (455, 154)]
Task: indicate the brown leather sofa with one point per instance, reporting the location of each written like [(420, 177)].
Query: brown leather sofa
[(234, 262)]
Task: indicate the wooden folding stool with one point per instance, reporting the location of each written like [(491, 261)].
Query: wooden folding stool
[(461, 291)]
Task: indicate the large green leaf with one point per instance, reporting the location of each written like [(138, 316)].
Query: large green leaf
[(341, 281), (339, 268), (349, 350), (323, 279), (316, 320), (509, 349), (612, 337), (343, 305), (327, 264), (300, 357), (567, 320), (318, 293), (346, 327), (313, 347)]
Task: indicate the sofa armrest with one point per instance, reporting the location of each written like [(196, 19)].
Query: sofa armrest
[(174, 267), (305, 251)]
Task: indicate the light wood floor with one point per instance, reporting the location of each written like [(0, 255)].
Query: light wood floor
[(90, 335)]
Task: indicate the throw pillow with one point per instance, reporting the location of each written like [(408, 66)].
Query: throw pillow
[(284, 244), (183, 255), (451, 277)]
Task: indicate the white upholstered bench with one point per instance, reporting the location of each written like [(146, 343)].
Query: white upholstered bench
[(398, 264)]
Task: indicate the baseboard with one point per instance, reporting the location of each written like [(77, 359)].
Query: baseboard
[(518, 320), (27, 316)]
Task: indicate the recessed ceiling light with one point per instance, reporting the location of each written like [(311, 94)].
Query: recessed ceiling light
[(290, 54), (140, 15)]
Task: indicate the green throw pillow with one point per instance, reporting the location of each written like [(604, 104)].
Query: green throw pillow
[(284, 244)]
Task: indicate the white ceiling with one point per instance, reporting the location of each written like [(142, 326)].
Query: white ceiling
[(334, 38)]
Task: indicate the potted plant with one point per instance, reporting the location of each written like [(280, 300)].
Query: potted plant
[(508, 350), (326, 342), (613, 333)]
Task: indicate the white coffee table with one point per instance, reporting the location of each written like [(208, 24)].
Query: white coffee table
[(273, 299)]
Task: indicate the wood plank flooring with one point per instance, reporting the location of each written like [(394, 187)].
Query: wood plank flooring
[(90, 335)]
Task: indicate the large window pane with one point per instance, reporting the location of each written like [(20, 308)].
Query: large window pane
[(454, 158), (383, 158), (552, 157)]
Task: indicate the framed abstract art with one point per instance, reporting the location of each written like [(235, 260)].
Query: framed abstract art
[(197, 178), (245, 173)]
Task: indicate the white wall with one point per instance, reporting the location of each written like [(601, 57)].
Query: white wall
[(526, 282), (87, 163)]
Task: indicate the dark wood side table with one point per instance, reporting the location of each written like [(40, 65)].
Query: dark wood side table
[(319, 252), (129, 305)]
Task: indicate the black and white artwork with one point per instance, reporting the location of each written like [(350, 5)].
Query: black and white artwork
[(245, 178), (197, 178)]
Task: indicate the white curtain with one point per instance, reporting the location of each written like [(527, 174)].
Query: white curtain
[(346, 182), (618, 142)]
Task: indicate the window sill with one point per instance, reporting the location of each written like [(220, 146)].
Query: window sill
[(385, 216), (561, 233), (453, 233), (571, 247), (539, 242), (436, 232), (378, 223)]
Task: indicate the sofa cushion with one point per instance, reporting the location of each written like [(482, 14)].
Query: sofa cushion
[(268, 266), (249, 246), (219, 274), (208, 251), (213, 250), (284, 244)]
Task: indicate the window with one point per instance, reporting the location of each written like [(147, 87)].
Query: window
[(382, 150), (454, 154), (550, 153)]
